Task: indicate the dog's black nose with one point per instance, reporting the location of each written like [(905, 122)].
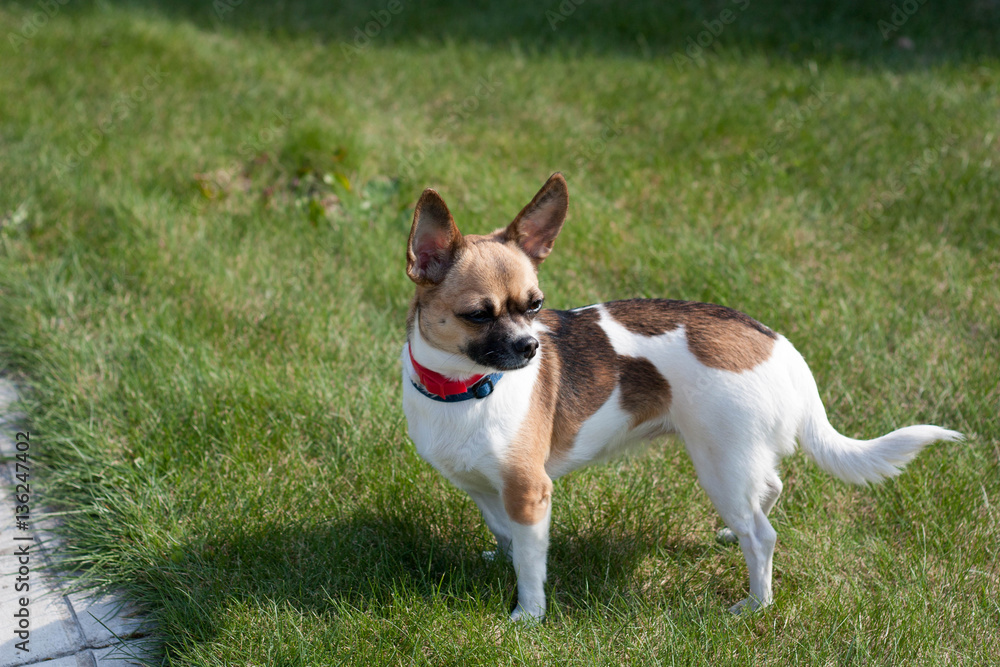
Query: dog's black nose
[(526, 347)]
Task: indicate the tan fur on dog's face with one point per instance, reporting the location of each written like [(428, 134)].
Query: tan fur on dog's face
[(487, 275)]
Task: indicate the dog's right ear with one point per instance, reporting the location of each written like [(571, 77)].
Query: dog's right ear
[(434, 238), (538, 224)]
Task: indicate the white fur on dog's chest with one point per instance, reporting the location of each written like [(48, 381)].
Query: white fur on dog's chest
[(467, 441)]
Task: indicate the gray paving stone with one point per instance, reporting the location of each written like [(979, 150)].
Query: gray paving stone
[(106, 619), (65, 630), (128, 652), (7, 534), (81, 659), (8, 446), (51, 624), (8, 395)]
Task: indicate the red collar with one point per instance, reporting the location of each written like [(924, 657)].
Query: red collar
[(439, 385)]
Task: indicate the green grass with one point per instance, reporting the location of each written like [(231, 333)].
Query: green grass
[(202, 285)]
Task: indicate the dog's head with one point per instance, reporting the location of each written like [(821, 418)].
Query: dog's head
[(477, 295)]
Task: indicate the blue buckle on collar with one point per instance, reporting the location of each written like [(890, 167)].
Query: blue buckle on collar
[(480, 390)]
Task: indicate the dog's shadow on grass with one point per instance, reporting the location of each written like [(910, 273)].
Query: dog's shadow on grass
[(369, 558)]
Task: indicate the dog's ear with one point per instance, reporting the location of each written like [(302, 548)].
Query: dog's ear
[(535, 228), (434, 238)]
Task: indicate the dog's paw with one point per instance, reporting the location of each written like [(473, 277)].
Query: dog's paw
[(496, 555), (746, 606), (726, 536), (525, 617)]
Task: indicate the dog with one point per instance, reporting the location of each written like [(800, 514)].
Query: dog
[(502, 397)]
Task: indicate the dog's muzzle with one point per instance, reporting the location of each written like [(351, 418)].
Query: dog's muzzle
[(526, 347)]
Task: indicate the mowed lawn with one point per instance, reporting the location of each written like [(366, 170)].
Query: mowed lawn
[(203, 216)]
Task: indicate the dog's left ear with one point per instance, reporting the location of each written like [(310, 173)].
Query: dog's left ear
[(434, 240), (537, 225)]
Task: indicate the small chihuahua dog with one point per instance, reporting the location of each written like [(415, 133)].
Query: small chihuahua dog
[(502, 397)]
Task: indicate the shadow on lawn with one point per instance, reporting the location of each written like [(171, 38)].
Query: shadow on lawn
[(895, 33), (370, 558)]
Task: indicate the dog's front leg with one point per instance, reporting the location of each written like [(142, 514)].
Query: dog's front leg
[(527, 500), (492, 509)]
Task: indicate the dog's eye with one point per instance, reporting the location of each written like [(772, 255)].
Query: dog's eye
[(478, 316), (534, 306)]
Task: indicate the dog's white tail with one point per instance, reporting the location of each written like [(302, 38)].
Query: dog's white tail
[(861, 461)]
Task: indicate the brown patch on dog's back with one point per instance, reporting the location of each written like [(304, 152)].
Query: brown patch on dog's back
[(645, 393), (719, 337), (720, 343)]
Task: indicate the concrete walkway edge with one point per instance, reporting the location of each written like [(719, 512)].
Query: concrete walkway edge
[(36, 612)]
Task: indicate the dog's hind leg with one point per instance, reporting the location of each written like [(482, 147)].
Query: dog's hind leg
[(772, 490), (743, 491), (757, 539)]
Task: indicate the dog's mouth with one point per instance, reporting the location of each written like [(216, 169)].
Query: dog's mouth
[(501, 362), (513, 365), (510, 356)]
